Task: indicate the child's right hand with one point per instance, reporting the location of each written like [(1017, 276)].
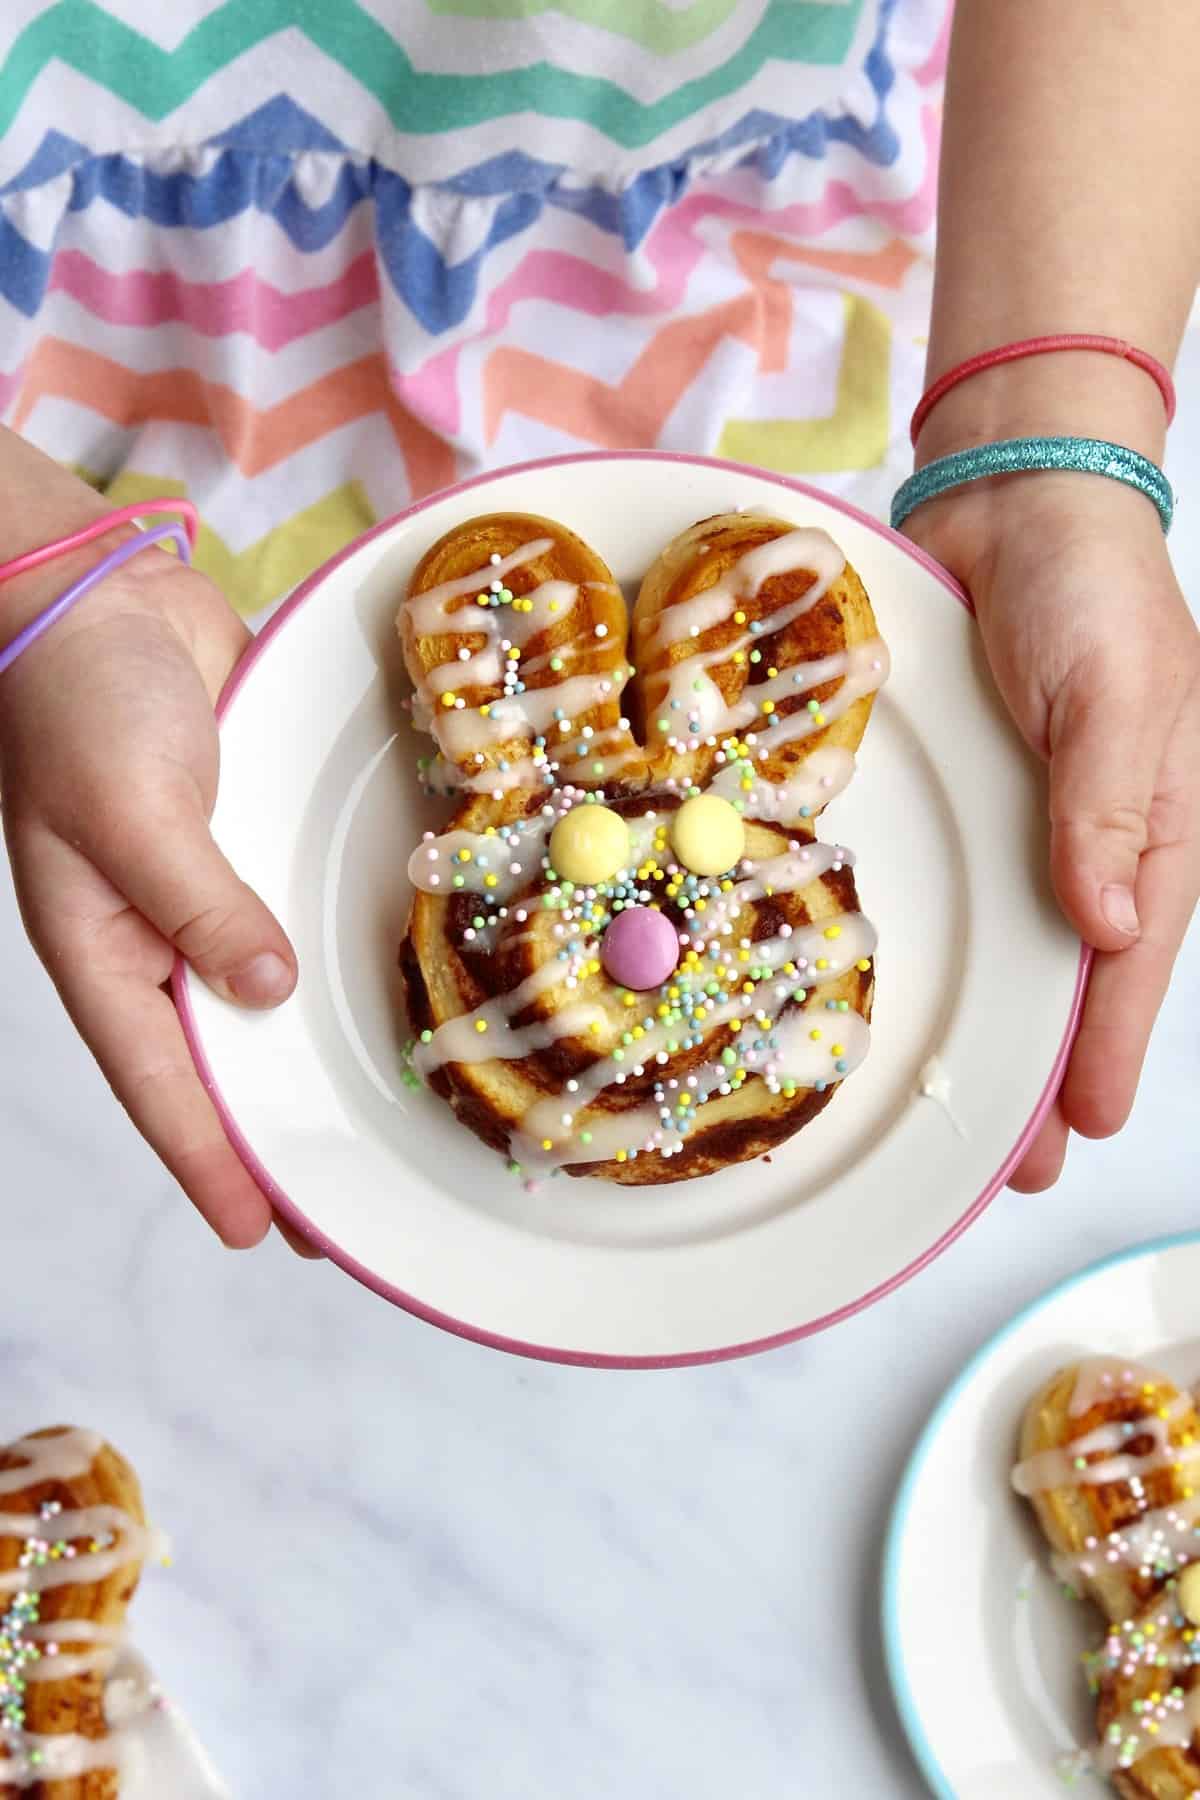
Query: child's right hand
[(108, 771)]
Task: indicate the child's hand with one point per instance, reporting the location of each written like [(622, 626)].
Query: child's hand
[(108, 770), (1098, 660)]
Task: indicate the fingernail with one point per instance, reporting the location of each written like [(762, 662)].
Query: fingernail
[(1116, 903), (264, 981)]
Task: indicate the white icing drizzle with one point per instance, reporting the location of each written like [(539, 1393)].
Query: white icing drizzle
[(105, 1641), (1069, 1465), (784, 874), (461, 1039), (64, 1456), (933, 1083), (802, 549), (131, 1542), (822, 776), (431, 611), (531, 714)]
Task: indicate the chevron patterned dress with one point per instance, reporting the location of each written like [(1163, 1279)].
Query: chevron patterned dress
[(304, 260)]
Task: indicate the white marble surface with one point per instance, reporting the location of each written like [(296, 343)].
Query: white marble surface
[(409, 1567)]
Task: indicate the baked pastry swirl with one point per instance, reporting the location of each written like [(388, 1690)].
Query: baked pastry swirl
[(1110, 1460), (73, 1537), (628, 955)]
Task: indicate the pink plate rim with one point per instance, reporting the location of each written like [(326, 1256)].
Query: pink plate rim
[(287, 1208)]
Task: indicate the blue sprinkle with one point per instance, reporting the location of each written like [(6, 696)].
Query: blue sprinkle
[(806, 812), (756, 625), (559, 713), (840, 1066), (819, 1087)]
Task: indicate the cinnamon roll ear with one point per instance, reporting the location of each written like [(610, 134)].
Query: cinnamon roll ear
[(1110, 1461), (749, 629), (515, 638), (72, 1541)]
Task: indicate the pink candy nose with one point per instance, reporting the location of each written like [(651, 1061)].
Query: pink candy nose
[(640, 949)]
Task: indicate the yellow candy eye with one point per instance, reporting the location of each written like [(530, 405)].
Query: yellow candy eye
[(589, 844), (708, 834)]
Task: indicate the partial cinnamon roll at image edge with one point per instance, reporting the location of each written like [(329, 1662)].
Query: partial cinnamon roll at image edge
[(73, 1538)]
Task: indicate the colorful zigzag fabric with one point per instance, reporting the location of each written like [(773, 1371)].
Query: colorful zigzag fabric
[(305, 260)]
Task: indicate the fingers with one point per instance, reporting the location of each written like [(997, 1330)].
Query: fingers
[(1104, 761), (107, 962), (299, 1244), (1042, 1163), (161, 855), (1125, 993)]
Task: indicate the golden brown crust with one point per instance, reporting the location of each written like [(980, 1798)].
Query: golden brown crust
[(76, 1704), (448, 977)]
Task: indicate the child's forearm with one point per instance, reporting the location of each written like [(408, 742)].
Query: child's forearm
[(1068, 202)]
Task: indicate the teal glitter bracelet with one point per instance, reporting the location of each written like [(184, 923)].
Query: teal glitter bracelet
[(1090, 456)]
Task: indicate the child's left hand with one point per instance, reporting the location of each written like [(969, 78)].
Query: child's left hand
[(1098, 660)]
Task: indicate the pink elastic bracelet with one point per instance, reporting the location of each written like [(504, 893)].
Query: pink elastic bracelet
[(1041, 346), (124, 515)]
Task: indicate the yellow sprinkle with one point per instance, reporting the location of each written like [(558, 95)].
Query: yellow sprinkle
[(491, 881), (166, 1562), (746, 784), (735, 1025), (822, 962), (739, 656), (743, 956), (768, 706), (639, 1031), (547, 1144), (818, 718), (839, 1050), (622, 1155), (553, 606), (747, 987), (815, 1032), (672, 993), (685, 1100), (726, 886), (662, 1010), (629, 1000), (772, 672), (789, 968), (701, 905), (863, 963), (481, 1024), (462, 856), (485, 712), (833, 931), (739, 618), (448, 699), (594, 1026), (593, 967)]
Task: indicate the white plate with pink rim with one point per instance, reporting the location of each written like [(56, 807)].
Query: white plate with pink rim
[(983, 1643), (978, 988)]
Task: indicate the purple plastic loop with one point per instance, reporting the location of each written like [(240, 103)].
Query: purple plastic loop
[(66, 600)]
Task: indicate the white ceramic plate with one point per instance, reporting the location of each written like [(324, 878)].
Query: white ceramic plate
[(318, 809), (982, 1644)]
